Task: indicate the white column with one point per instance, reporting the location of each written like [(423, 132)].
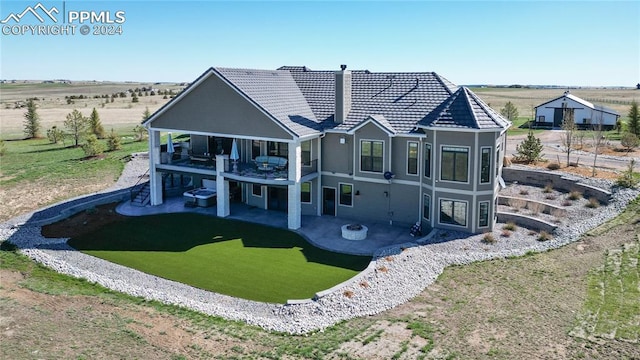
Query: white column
[(155, 177), (319, 200), (294, 210), (222, 186)]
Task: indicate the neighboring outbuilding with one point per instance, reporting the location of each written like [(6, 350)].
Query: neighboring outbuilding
[(402, 148), (585, 114)]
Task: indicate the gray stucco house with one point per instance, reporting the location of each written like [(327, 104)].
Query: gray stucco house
[(393, 147)]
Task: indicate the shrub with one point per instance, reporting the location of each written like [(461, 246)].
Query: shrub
[(593, 203), (575, 195), (505, 233), (524, 192), (348, 293), (388, 258), (550, 197), (113, 141), (532, 233), (488, 238), (364, 284), (566, 203), (630, 141), (553, 166), (548, 189), (509, 226), (92, 146), (141, 132), (628, 179), (544, 236), (55, 135), (383, 269), (529, 150)]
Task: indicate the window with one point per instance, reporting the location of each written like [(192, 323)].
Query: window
[(453, 212), (412, 158), (305, 192), (346, 194), (371, 155), (455, 163), (497, 161), (485, 165), (257, 190), (483, 214), (426, 207), (427, 160), (306, 153), (255, 148), (541, 118), (278, 149)]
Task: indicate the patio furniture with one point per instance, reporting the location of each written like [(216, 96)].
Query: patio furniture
[(275, 162)]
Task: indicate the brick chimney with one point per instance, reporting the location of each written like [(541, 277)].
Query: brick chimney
[(343, 94)]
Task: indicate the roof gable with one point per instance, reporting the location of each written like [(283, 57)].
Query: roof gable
[(378, 120)]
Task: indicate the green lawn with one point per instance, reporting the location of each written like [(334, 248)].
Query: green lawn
[(230, 257)]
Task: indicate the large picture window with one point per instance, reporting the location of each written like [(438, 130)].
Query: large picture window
[(455, 164), (453, 212), (305, 192), (278, 149), (483, 214), (346, 194), (426, 207), (427, 160), (485, 165), (412, 158), (371, 155)]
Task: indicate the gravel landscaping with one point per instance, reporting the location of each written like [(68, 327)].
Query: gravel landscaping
[(396, 274)]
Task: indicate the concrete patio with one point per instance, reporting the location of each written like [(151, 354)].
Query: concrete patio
[(322, 231)]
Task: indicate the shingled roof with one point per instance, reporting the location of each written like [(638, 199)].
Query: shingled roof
[(278, 94), (402, 99), (464, 110)]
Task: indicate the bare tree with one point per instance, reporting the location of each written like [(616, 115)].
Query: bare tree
[(569, 129), (598, 137)]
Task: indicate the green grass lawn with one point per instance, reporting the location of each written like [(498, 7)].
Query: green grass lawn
[(61, 161), (230, 257)]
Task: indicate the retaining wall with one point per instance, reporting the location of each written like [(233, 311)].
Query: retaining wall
[(558, 181), (526, 221)]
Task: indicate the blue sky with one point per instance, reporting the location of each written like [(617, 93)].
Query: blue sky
[(581, 43)]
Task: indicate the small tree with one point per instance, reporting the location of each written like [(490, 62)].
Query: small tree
[(31, 120), (113, 141), (141, 132), (509, 111), (77, 125), (92, 146), (55, 135), (634, 119), (598, 137), (630, 141), (530, 149), (146, 114), (95, 125), (627, 178), (568, 135), (134, 98)]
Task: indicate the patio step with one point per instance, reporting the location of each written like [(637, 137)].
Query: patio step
[(143, 196)]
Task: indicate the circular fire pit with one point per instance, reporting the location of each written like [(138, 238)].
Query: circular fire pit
[(354, 232)]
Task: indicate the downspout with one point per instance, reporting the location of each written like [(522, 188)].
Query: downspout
[(420, 175)]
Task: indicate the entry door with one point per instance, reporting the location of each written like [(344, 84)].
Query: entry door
[(328, 201), (277, 198)]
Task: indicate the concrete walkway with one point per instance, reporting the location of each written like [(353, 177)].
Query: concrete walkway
[(322, 231)]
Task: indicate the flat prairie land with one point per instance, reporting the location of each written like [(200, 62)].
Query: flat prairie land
[(53, 107), (526, 99)]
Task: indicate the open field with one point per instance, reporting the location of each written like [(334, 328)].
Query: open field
[(526, 99), (121, 114)]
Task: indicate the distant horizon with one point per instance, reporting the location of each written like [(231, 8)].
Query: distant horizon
[(472, 42), (548, 86)]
